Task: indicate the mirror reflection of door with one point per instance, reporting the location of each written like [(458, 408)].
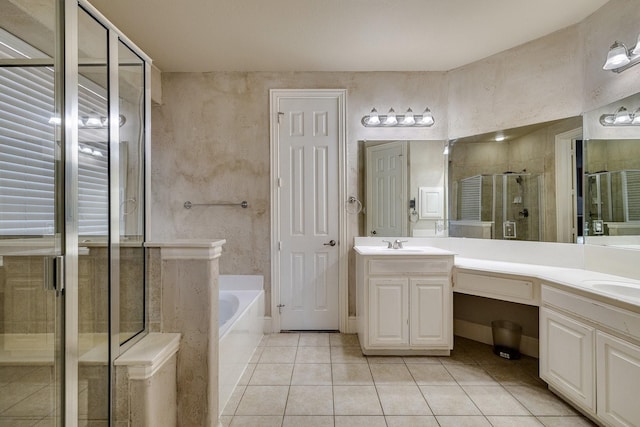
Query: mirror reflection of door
[(386, 183), (568, 171)]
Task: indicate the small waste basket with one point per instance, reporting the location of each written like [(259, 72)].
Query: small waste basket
[(506, 338)]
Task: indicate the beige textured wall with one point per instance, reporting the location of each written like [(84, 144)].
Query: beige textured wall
[(537, 82), (210, 138), (210, 141), (556, 76)]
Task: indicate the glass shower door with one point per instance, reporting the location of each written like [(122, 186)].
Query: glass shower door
[(31, 226)]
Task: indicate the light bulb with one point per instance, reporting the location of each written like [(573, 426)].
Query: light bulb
[(622, 117), (374, 119), (427, 118), (391, 118), (636, 49), (616, 57), (408, 120), (93, 122)]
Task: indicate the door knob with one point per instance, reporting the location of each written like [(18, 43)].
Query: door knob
[(331, 243), (374, 232)]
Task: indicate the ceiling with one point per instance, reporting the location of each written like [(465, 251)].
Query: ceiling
[(335, 35)]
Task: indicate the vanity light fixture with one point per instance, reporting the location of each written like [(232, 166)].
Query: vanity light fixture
[(391, 119), (622, 117), (619, 58), (89, 122)]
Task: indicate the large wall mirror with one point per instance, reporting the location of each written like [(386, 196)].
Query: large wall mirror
[(403, 187), (517, 184), (612, 174)]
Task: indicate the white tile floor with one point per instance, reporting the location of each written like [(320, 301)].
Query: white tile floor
[(318, 380)]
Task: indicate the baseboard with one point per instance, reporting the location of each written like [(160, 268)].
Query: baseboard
[(482, 333), (352, 325), (267, 328)]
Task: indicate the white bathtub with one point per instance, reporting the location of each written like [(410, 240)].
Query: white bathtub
[(241, 311)]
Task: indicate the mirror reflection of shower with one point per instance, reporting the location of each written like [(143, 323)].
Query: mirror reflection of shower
[(613, 199), (507, 205)]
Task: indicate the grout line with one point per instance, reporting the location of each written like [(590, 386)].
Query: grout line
[(473, 362)]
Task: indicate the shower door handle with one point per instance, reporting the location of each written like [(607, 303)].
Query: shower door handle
[(54, 273)]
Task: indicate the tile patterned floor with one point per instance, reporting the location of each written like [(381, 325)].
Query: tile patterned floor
[(322, 380), (27, 398)]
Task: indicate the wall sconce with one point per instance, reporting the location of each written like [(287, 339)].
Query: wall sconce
[(619, 58), (621, 117), (391, 119)]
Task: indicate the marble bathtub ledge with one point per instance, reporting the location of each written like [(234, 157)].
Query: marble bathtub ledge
[(189, 248), (149, 354)]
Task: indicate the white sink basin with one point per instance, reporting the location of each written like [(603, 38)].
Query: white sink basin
[(615, 288)]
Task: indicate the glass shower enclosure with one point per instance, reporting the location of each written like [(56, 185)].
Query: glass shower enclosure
[(73, 134)]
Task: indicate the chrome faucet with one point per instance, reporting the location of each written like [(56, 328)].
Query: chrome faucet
[(397, 244)]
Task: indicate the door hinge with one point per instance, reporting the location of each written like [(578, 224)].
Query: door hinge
[(279, 246), (280, 114), (280, 308), (279, 182)]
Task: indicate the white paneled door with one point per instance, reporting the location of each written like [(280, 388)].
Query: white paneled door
[(308, 199)]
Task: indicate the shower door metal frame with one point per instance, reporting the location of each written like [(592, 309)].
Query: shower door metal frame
[(68, 21), (64, 66)]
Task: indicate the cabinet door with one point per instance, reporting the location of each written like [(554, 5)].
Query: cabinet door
[(389, 312), (430, 311), (618, 378), (567, 360)]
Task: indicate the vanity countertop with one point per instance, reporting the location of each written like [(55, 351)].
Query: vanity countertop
[(616, 290), (406, 251)]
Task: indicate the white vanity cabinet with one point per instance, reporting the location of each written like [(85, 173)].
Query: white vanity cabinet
[(590, 354), (567, 360), (618, 379), (404, 304)]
